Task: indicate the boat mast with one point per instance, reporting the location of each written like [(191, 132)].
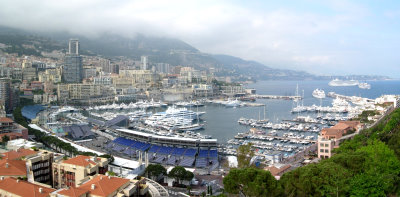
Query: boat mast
[(264, 112)]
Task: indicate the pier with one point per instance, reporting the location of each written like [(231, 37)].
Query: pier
[(260, 96), (263, 137)]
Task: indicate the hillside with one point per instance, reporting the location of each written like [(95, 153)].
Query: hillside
[(159, 49)]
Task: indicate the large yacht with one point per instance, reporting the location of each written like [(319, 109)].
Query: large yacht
[(338, 82), (173, 117), (318, 93)]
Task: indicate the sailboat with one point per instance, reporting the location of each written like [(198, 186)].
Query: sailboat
[(298, 108), (265, 120)]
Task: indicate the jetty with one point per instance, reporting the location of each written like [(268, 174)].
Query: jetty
[(261, 96)]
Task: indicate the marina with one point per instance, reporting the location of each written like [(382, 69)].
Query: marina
[(272, 126)]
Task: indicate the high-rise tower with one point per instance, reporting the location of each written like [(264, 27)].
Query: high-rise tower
[(73, 67), (143, 62), (73, 46)]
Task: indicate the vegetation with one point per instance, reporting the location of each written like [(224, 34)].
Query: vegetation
[(180, 174), (244, 155), (363, 117), (153, 171), (5, 139), (251, 182), (367, 165), (111, 173)]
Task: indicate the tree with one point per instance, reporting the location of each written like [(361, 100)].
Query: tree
[(178, 173), (5, 139), (251, 182), (244, 155), (188, 176), (155, 170)]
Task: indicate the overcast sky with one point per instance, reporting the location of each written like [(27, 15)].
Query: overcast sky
[(321, 37)]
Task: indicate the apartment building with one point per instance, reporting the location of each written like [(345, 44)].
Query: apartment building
[(331, 138), (78, 91), (83, 91), (73, 172), (50, 75), (10, 128), (34, 165)]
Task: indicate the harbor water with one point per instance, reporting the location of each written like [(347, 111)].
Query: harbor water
[(221, 122)]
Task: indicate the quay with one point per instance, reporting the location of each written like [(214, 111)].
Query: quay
[(261, 137), (260, 96)]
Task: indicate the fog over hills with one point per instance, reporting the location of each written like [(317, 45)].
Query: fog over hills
[(159, 49)]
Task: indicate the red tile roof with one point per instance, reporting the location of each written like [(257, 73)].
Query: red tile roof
[(278, 171), (80, 160), (104, 185), (24, 188), (341, 126), (6, 120), (12, 167), (73, 192), (18, 153)]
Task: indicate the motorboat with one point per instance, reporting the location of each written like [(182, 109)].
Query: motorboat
[(318, 93)]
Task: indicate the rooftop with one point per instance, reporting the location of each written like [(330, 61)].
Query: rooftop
[(72, 192), (81, 160), (17, 154), (6, 120), (102, 185), (24, 188), (340, 126), (12, 167)]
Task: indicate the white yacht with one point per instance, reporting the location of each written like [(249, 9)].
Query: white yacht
[(232, 103), (318, 93), (338, 82), (364, 86)]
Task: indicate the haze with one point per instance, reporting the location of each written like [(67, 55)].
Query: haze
[(329, 37)]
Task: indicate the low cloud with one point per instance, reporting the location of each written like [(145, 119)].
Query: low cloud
[(277, 35)]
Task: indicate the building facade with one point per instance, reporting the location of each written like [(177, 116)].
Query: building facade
[(74, 171)]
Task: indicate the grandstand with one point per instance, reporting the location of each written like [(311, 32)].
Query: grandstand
[(78, 132), (30, 111), (185, 157)]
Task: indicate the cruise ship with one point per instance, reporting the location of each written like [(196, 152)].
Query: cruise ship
[(318, 93), (364, 86), (338, 82)]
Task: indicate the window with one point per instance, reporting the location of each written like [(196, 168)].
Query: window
[(327, 150), (321, 144), (326, 145), (321, 150)]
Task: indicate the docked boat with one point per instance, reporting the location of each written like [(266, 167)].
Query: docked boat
[(232, 103), (364, 86), (191, 127), (338, 82), (318, 93)]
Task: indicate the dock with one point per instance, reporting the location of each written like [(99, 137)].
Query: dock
[(289, 138), (252, 104), (262, 137), (260, 96)]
